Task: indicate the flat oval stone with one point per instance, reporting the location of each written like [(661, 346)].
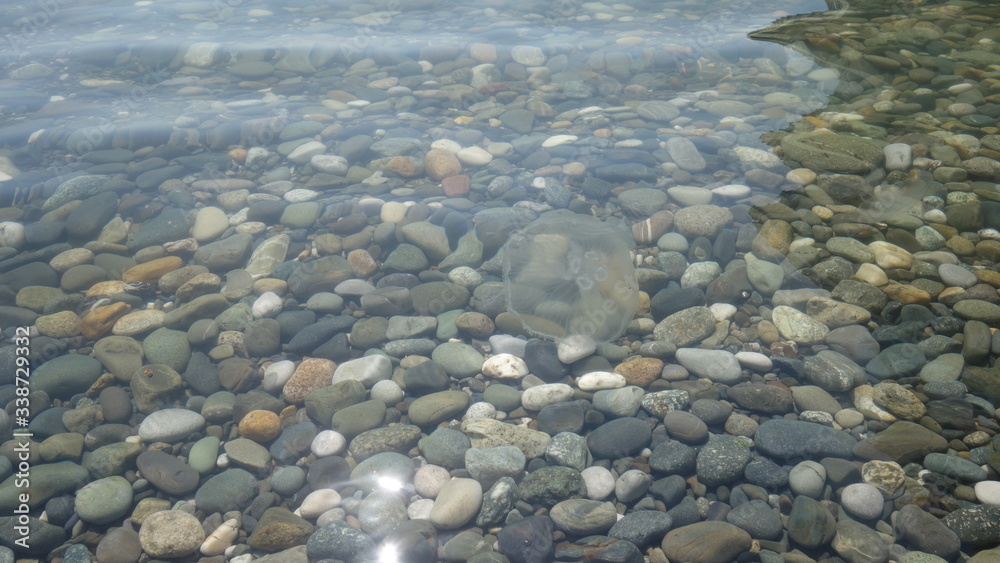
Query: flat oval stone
[(167, 473), (583, 517), (457, 503)]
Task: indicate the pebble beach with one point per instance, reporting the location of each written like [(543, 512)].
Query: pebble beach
[(500, 282)]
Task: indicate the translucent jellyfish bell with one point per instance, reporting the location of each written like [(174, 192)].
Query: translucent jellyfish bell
[(570, 275)]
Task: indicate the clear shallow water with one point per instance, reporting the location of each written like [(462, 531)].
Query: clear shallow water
[(185, 104), (127, 61)]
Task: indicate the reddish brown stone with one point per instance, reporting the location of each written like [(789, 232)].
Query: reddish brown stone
[(640, 372), (98, 322), (312, 374), (455, 186)]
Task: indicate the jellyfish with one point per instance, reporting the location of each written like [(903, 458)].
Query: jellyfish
[(570, 275)]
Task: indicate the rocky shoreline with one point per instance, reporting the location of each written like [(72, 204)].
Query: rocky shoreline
[(282, 328)]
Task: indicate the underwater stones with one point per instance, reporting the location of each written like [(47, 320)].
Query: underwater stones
[(759, 397), (487, 433), (658, 111), (833, 371), (978, 310), (268, 256), (926, 532), (101, 320), (170, 225), (797, 326), (440, 164), (575, 135), (583, 517), (618, 438), (685, 154), (167, 473), (170, 533), (976, 525), (310, 375), (339, 540), (705, 542), (457, 503), (810, 524), (67, 375), (438, 297), (842, 153), (368, 370), (437, 407), (80, 187), (788, 439), (720, 366), (519, 120), (722, 460), (322, 274), (642, 202), (168, 425), (902, 442), (686, 327), (225, 254), (702, 220)]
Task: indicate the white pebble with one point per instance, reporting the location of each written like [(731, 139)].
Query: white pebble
[(429, 479), (266, 306), (754, 360), (11, 234), (480, 410), (465, 277), (598, 380), (732, 191), (257, 153), (277, 375), (318, 502), (219, 540), (299, 195), (328, 442), (599, 481), (556, 140), (393, 212), (474, 156), (935, 216), (898, 156), (447, 144), (539, 396), (505, 366), (988, 492), (331, 164), (722, 311), (387, 391), (575, 347)]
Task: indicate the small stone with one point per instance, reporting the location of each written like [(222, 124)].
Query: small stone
[(862, 500), (310, 375), (583, 517), (706, 542), (171, 533), (457, 502), (797, 326)]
